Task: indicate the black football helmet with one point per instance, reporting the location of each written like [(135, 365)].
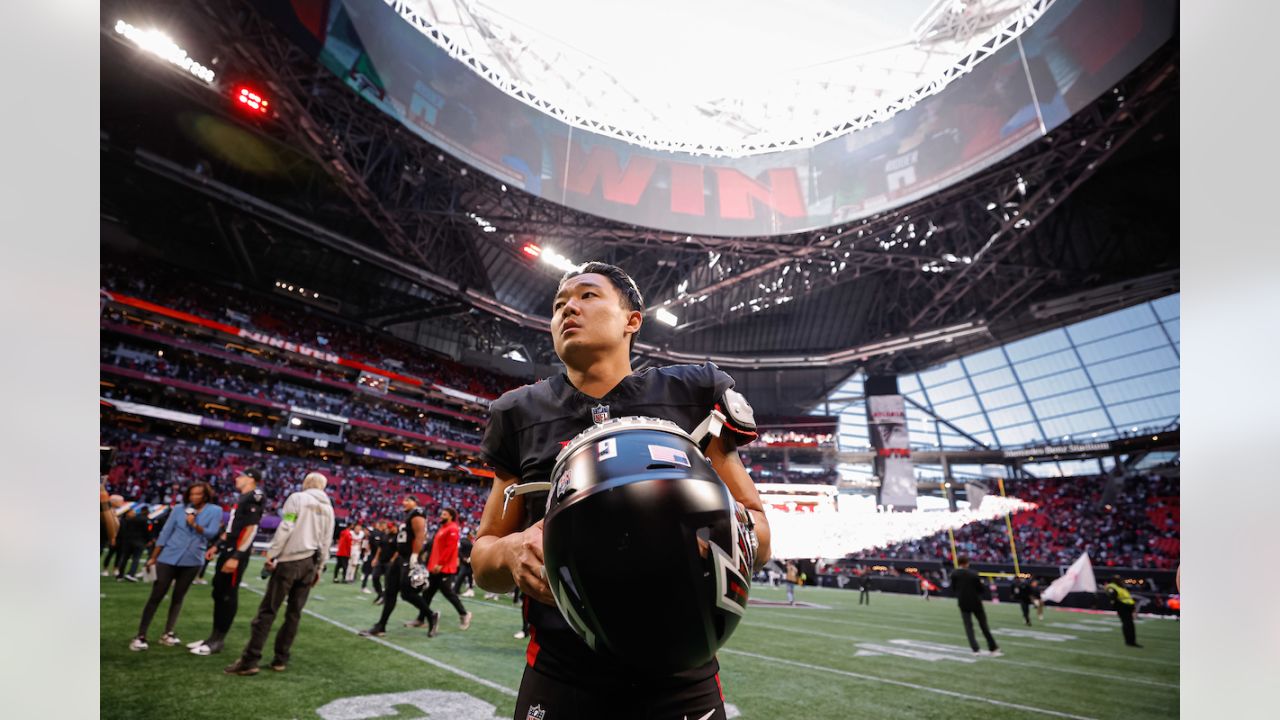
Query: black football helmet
[(635, 505)]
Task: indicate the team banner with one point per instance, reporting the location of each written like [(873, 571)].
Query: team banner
[(887, 425)]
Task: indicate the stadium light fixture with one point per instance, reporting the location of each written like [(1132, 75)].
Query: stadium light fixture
[(558, 261), (163, 47), (666, 316), (251, 100)]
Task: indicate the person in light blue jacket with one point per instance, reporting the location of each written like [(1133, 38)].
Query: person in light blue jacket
[(177, 557)]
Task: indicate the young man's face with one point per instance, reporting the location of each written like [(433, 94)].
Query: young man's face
[(409, 504), (588, 316)]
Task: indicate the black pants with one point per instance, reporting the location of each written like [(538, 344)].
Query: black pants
[(1125, 612), (464, 575), (112, 557), (340, 569), (865, 595), (131, 553), (366, 568), (378, 570), (967, 616), (226, 595), (180, 578), (700, 699), (442, 582), (292, 581), (398, 584), (1026, 609)]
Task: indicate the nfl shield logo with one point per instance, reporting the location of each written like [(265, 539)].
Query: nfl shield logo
[(536, 713), (600, 413)]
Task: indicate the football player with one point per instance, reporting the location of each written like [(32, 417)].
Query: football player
[(596, 313)]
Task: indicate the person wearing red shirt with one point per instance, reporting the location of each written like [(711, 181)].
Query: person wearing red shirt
[(442, 565), (344, 556)]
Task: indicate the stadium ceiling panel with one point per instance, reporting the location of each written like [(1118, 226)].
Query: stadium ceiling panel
[(723, 78)]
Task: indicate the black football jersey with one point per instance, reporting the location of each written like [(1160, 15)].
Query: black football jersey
[(528, 427), (248, 511), (404, 538)]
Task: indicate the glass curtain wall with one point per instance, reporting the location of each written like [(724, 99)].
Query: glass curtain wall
[(1110, 376)]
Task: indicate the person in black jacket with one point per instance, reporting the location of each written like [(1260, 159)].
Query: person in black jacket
[(969, 591), (864, 587), (132, 541), (1022, 593)]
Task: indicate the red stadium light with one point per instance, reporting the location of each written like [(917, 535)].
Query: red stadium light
[(531, 250), (251, 100)]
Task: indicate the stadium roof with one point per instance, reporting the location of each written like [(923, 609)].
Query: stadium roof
[(1074, 225), (725, 78)]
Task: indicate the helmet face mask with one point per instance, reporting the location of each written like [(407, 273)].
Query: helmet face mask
[(633, 500)]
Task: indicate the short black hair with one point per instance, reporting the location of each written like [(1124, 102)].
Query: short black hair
[(453, 514), (962, 561), (631, 297)]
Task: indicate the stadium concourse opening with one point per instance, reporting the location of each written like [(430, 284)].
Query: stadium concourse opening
[(914, 298)]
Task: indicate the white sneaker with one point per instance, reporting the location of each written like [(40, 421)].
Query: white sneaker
[(170, 639), (106, 573), (996, 653), (469, 593), (138, 644), (366, 591), (519, 636), (194, 645), (200, 581), (202, 649)]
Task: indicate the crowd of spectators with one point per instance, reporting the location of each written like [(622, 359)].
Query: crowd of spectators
[(181, 290), (1138, 528), (227, 377), (156, 470)]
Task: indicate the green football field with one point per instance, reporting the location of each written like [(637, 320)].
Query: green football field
[(900, 657)]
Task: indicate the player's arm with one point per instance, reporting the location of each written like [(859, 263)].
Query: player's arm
[(503, 556), (243, 543), (418, 526), (729, 467)]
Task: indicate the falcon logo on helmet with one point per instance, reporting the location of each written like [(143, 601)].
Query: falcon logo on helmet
[(655, 509)]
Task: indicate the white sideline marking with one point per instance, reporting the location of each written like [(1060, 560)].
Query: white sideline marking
[(954, 634), (903, 683), (964, 651), (417, 656)]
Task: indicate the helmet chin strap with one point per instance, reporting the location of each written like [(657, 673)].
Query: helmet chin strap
[(522, 489)]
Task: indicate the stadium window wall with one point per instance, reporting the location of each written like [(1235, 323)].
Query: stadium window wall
[(1105, 377)]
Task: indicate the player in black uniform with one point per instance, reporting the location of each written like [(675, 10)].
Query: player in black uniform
[(409, 541), (233, 550), (375, 540), (596, 314)]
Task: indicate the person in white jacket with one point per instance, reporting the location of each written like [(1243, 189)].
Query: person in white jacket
[(296, 558)]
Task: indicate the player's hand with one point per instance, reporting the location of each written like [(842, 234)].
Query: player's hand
[(270, 564), (527, 567), (316, 580), (191, 519), (438, 569), (151, 561), (230, 565), (208, 554)]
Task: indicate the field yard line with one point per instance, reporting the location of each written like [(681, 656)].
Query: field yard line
[(417, 656), (903, 683), (1020, 663), (959, 631)]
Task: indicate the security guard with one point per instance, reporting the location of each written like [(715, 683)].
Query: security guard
[(1124, 605)]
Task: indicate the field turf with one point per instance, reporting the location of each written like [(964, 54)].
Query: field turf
[(900, 657)]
